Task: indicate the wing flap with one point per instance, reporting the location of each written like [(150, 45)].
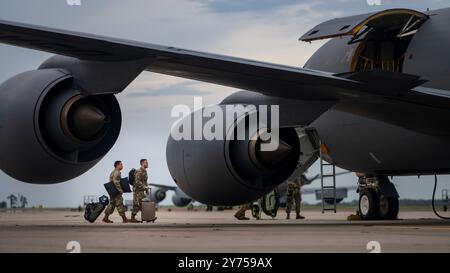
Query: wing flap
[(388, 84)]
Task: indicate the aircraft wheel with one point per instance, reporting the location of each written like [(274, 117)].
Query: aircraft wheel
[(255, 211), (369, 204), (389, 208)]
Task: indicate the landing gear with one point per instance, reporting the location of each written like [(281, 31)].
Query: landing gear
[(378, 198), (369, 204), (389, 208)]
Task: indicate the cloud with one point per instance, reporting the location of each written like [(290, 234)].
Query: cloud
[(346, 6), (244, 5)]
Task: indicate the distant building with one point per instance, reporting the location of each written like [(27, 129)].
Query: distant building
[(87, 199)]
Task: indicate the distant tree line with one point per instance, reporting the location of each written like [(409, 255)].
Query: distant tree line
[(18, 201)]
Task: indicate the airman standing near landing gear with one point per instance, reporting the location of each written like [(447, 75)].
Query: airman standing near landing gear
[(293, 193), (240, 214), (117, 201), (140, 189)]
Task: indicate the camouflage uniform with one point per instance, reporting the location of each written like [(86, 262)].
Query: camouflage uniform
[(293, 193), (240, 214), (139, 188), (117, 201)]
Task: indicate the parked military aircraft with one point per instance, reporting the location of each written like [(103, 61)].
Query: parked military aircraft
[(180, 199), (374, 99), (341, 192)]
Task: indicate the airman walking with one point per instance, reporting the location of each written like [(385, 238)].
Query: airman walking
[(140, 189), (117, 201)]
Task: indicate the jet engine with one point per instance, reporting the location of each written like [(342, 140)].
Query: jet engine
[(50, 131), (180, 199), (157, 195), (230, 171)]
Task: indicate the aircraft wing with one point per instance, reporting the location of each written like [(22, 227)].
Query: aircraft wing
[(165, 187), (265, 78)]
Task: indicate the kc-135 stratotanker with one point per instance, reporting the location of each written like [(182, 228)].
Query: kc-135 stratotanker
[(375, 99)]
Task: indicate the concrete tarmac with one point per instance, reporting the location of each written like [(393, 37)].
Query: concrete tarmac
[(199, 231)]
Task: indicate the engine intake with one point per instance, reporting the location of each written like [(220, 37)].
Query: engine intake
[(157, 195), (50, 132), (231, 172)]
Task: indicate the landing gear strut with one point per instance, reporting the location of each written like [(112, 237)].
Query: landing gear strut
[(378, 198)]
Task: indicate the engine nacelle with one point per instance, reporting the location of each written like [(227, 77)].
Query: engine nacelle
[(180, 199), (50, 132), (157, 195), (230, 172)]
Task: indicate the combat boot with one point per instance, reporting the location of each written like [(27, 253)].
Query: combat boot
[(299, 216), (106, 220), (125, 219), (241, 217), (133, 219)]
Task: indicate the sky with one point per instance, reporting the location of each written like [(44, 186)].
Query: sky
[(265, 30)]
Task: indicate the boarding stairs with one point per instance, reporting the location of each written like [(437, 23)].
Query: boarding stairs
[(327, 182)]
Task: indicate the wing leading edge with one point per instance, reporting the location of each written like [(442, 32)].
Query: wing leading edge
[(164, 187), (266, 78)]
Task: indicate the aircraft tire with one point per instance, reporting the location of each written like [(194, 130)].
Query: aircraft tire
[(391, 212), (369, 205)]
